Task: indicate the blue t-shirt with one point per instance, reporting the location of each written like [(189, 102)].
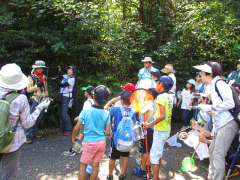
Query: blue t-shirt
[(145, 73), (151, 119), (117, 114), (95, 119)]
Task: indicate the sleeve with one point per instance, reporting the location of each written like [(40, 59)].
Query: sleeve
[(27, 119), (81, 116), (226, 93), (113, 111), (192, 96), (31, 87), (161, 100), (139, 73), (108, 119), (182, 92)]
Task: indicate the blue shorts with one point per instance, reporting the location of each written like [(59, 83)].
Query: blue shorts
[(159, 139)]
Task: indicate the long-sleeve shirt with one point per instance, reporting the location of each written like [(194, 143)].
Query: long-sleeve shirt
[(222, 107), (19, 109)]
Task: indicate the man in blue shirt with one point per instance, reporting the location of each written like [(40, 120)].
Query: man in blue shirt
[(145, 72)]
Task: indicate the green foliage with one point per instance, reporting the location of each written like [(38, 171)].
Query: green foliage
[(106, 40)]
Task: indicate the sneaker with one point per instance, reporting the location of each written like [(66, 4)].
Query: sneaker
[(39, 136), (29, 141), (110, 177), (67, 133), (60, 131), (151, 178), (150, 168), (121, 177), (140, 172), (69, 153)]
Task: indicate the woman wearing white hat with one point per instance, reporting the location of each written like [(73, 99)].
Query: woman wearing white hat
[(11, 80)]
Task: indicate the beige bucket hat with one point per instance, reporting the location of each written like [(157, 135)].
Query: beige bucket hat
[(168, 68)]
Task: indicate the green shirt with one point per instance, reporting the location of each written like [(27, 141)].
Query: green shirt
[(233, 76), (165, 100)]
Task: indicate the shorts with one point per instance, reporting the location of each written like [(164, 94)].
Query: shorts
[(81, 131), (114, 153), (159, 139), (149, 141), (93, 151)]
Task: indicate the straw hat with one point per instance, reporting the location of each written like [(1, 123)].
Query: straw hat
[(11, 77), (168, 68)]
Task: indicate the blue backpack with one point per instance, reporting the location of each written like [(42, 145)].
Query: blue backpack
[(123, 138)]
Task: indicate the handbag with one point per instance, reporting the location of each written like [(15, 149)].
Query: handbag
[(58, 97)]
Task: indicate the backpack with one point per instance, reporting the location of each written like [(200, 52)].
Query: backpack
[(123, 138), (6, 131), (236, 110)]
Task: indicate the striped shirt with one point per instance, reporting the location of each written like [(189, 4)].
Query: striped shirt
[(19, 109)]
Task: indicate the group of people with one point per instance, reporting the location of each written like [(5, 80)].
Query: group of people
[(99, 118)]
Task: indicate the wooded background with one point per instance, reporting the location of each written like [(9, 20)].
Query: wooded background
[(107, 39)]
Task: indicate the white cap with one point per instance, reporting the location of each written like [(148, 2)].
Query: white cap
[(205, 68)]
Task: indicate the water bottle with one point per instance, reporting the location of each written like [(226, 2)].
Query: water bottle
[(137, 132)]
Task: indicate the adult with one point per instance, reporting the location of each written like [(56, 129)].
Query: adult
[(233, 78), (37, 88), (224, 126), (68, 90), (168, 69), (145, 72), (11, 80)]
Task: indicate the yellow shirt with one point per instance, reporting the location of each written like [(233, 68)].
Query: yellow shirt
[(165, 100)]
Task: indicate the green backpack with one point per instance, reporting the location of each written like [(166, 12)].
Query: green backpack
[(6, 132)]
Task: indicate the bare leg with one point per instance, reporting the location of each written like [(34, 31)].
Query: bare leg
[(156, 169), (82, 171), (144, 161), (111, 166), (124, 165), (95, 166)]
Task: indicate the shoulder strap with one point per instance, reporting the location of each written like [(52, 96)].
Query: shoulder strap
[(9, 98), (130, 113), (90, 102), (216, 89)]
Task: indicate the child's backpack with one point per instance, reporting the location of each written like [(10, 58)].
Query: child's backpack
[(123, 138), (236, 110), (6, 131)]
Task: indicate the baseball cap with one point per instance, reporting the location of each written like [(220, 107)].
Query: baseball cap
[(89, 89), (101, 94), (125, 96), (129, 86), (191, 81), (167, 81), (205, 68), (156, 74)]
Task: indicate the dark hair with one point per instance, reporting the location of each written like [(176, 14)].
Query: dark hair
[(216, 69), (153, 92), (126, 101), (192, 89)]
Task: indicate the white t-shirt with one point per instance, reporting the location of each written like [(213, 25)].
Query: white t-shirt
[(186, 98), (88, 104), (67, 91)]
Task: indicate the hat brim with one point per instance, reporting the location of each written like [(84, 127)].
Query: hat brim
[(147, 61), (204, 68), (18, 86), (35, 67), (166, 70)]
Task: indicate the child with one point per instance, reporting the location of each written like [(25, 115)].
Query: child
[(96, 120), (114, 153), (161, 122), (155, 75), (187, 98), (142, 170), (88, 93)]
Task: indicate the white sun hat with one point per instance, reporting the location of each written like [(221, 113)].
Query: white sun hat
[(147, 59), (39, 64), (205, 68), (11, 77)]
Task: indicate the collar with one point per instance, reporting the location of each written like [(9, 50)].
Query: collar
[(214, 80), (162, 92), (97, 107)]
